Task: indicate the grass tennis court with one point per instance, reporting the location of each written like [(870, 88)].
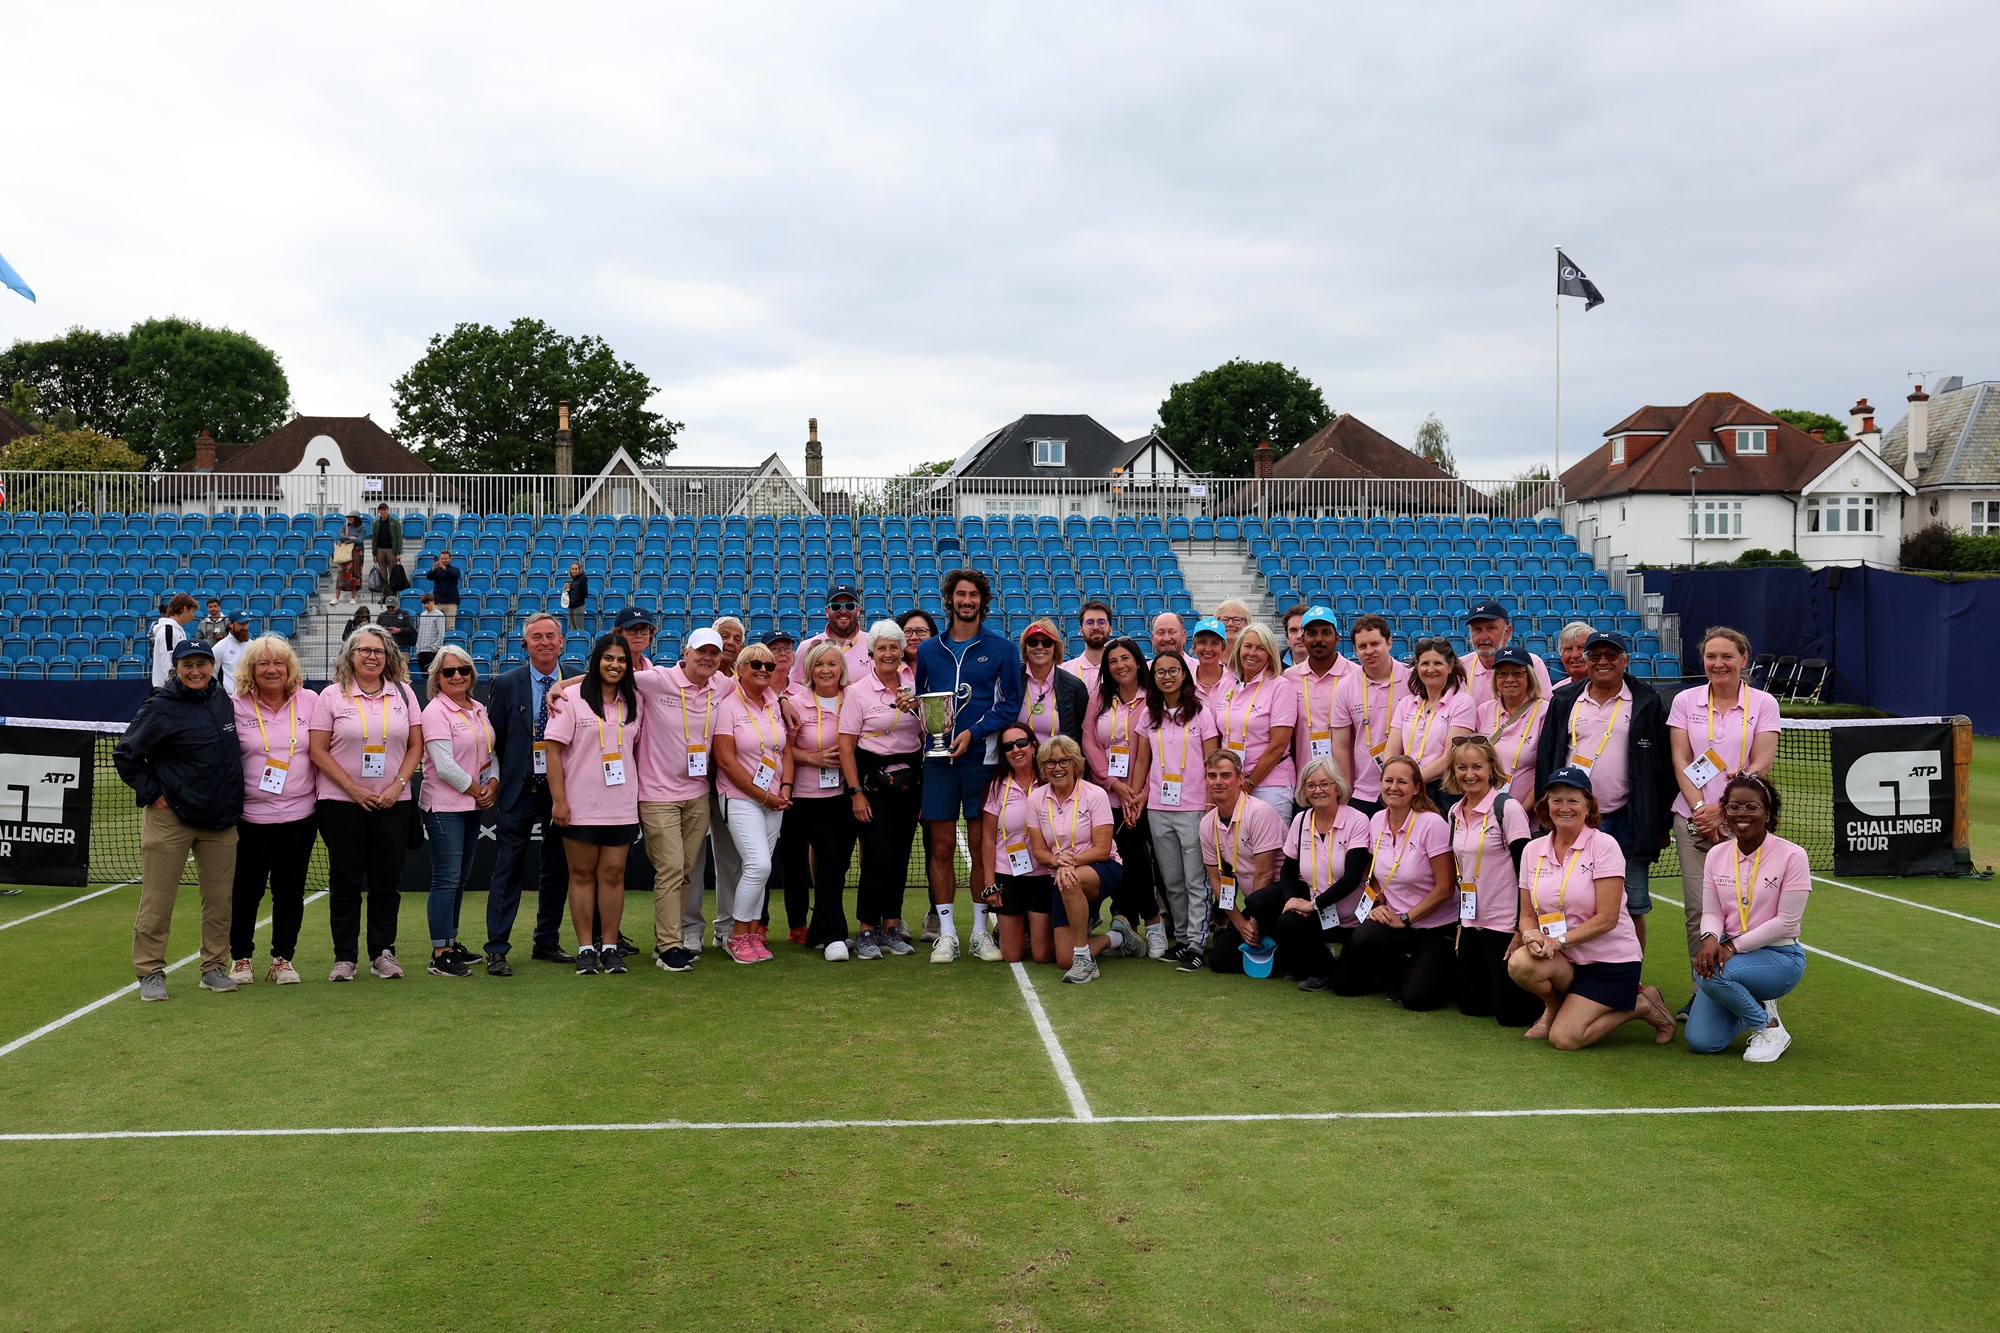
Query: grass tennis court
[(989, 1200)]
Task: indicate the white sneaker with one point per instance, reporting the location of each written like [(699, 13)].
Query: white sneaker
[(945, 950), (836, 952), (243, 972), (1156, 940), (1767, 1044), (984, 949)]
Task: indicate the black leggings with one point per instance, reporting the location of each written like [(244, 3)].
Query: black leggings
[(1414, 964), (1135, 899), (885, 855), (281, 854), (1302, 944), (815, 846), (364, 852), (1484, 988)]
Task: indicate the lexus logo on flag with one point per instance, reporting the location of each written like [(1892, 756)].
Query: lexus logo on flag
[(1571, 281)]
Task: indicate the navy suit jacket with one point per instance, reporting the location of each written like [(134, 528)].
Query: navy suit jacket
[(511, 709)]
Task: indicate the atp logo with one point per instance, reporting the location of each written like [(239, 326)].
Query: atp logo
[(1894, 783), (32, 787)]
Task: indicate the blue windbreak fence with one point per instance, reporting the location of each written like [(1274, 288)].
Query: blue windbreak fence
[(1899, 642)]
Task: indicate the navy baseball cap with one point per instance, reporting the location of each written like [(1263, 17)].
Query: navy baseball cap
[(1514, 655), (843, 592), (776, 637), (1319, 615), (635, 615), (1486, 610), (1606, 638), (1569, 775), (193, 648)]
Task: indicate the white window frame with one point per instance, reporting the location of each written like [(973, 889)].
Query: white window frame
[(1051, 453), (1618, 453), (1710, 451), (1985, 519), (1753, 440), (1715, 520), (1848, 515)]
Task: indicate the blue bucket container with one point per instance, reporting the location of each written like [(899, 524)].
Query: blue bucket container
[(1258, 958)]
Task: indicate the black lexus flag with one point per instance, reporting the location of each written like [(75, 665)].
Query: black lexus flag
[(1570, 281)]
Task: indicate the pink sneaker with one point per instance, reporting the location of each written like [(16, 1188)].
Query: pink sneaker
[(764, 954), (743, 948)]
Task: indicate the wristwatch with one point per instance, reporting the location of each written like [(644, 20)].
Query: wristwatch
[(854, 791), (1403, 917)]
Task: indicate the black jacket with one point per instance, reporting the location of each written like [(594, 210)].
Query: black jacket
[(400, 627), (1653, 789), (1072, 702), (182, 745)]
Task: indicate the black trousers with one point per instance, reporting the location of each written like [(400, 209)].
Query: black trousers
[(1136, 899), (1484, 988), (1302, 944), (1414, 964), (815, 846), (364, 853), (885, 854), (280, 854), (513, 831)]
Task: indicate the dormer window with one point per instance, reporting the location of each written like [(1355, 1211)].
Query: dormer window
[(1710, 451), (1051, 453), (1755, 440), (1618, 453)]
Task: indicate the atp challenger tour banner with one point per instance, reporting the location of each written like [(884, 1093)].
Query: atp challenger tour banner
[(1892, 799), (45, 779)]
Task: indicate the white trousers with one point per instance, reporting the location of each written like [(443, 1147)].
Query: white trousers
[(754, 828)]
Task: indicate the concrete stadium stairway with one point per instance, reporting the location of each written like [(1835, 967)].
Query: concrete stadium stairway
[(1217, 571)]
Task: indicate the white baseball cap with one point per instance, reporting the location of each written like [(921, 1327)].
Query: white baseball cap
[(704, 638)]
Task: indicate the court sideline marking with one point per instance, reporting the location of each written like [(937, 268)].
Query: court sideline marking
[(1248, 1117), (74, 1014), (22, 921), (1908, 902), (1079, 1106), (1915, 985)]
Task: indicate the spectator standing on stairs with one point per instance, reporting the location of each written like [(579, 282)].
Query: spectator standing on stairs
[(347, 573), (387, 541)]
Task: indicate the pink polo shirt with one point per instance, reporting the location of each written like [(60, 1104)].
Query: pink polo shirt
[(1775, 878), (1316, 707), (471, 737), (1253, 829), (868, 710), (1180, 750), (1071, 824), (336, 712), (286, 737), (1121, 723), (760, 735), (586, 740), (674, 710), (1595, 856), (1368, 707), (1245, 716), (818, 729), (859, 662), (1011, 806), (1519, 741), (1084, 670), (1730, 733), (1479, 677), (1210, 693), (1322, 857), (1426, 729), (1403, 863), (1599, 739), (1038, 705), (1479, 845)]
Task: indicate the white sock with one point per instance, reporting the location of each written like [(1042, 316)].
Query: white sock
[(978, 919), (945, 927)]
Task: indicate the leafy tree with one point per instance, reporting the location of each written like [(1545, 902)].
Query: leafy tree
[(81, 371), (900, 493), (63, 455), (1835, 428), (482, 399), (1522, 488), (1433, 442), (1216, 420)]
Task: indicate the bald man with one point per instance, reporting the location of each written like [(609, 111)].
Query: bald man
[(1169, 634)]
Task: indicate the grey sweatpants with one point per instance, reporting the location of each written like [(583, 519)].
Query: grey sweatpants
[(1177, 863)]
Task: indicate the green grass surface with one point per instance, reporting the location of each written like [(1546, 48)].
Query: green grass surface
[(1797, 1219)]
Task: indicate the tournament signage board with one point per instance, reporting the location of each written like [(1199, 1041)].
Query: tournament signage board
[(45, 795), (1893, 798)]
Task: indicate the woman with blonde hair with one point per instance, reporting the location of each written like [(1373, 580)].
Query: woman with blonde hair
[(754, 772), (274, 841), (1070, 830), (461, 779), (1489, 831), (1256, 716), (816, 844), (1234, 614)]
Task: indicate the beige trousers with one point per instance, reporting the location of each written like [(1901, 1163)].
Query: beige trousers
[(674, 830), (164, 845)]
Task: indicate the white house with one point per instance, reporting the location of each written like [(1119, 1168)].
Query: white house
[(1721, 476), (1948, 448), (1062, 465), (308, 465)]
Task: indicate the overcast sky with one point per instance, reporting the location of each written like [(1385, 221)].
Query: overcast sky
[(917, 222)]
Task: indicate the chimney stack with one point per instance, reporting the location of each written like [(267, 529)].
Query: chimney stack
[(565, 449), (1819, 433), (1265, 459), (1918, 445), (204, 452), (815, 460), (1856, 415)]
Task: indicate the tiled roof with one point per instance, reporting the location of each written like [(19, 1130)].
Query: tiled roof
[(1963, 438), (1347, 446), (242, 470), (1089, 450), (12, 427), (1794, 457)]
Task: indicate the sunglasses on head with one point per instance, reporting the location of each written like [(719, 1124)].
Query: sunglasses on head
[(450, 671)]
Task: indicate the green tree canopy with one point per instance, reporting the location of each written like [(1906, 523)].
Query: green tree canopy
[(1433, 442), (81, 371), (1835, 428), (69, 451), (482, 399), (1216, 420)]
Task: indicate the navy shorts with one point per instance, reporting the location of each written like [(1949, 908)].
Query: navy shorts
[(1019, 894), (1110, 874), (956, 788), (1613, 985), (603, 835)]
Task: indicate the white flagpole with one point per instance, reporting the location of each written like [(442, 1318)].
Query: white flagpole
[(1559, 368)]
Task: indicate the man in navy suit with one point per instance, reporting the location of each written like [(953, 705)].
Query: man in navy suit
[(518, 710)]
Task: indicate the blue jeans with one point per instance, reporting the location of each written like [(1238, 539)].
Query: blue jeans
[(1731, 1002), (1638, 860), (453, 834)]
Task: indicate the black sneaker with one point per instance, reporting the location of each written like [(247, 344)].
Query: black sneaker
[(551, 953), (447, 964), (627, 949), (1175, 952), (611, 961), (673, 960), (1191, 961), (498, 966), (586, 961), (462, 954)]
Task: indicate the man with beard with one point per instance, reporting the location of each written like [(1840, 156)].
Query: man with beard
[(1095, 624), (1490, 630), (229, 648), (843, 627)]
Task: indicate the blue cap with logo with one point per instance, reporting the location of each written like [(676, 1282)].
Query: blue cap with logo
[(1514, 655), (1569, 775), (1319, 615), (1486, 610), (1606, 639), (193, 648), (635, 615), (1208, 625)]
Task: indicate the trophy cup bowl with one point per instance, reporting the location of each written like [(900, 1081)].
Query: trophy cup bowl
[(940, 709)]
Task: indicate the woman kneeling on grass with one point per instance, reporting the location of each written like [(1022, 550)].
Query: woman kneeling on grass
[(1753, 892), (1580, 953), (1019, 895), (1404, 942), (594, 798), (1489, 831), (1325, 871), (1072, 836)]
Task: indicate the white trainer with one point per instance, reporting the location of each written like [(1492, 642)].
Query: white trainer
[(945, 950), (984, 949), (243, 972), (1156, 940), (1767, 1044), (836, 952)]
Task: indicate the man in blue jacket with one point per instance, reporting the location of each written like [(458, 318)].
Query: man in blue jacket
[(180, 759), (982, 668), (518, 710)]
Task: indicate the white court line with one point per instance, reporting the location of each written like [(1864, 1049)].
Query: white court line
[(22, 921), (1079, 1107), (74, 1014), (1907, 902), (711, 1126), (1915, 985)]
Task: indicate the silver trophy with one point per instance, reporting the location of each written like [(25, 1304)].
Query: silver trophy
[(940, 711)]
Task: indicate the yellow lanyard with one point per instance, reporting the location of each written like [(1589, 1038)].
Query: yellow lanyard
[(1367, 728), (361, 714), (1743, 755), (258, 709), (1235, 836), (1485, 820), (1307, 682), (756, 724), (1609, 723), (1562, 885), (1408, 838), (819, 720), (1006, 787), (1744, 901), (1049, 813), (1248, 709), (620, 732), (1187, 726), (1428, 711), (1318, 838), (482, 735), (1527, 729), (708, 724), (1120, 711), (895, 713)]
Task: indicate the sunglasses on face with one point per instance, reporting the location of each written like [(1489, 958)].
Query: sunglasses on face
[(1018, 745), (451, 671), (759, 667), (843, 606)]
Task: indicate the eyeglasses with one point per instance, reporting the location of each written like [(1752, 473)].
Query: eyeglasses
[(370, 652), (843, 606), (451, 671), (1741, 807), (1319, 786), (1018, 745)]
